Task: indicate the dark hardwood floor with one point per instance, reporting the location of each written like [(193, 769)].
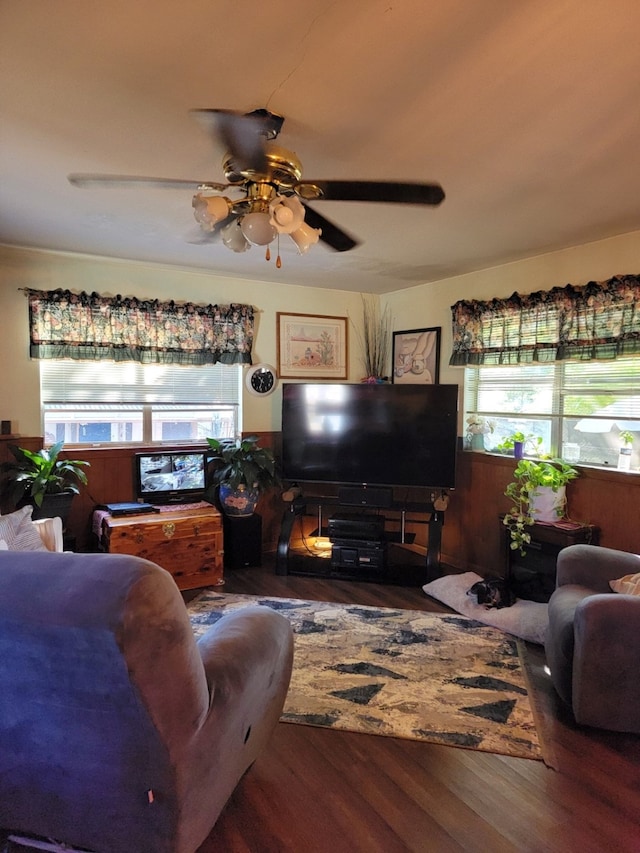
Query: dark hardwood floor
[(325, 791)]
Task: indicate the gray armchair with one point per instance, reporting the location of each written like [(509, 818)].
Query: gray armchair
[(118, 732), (593, 639)]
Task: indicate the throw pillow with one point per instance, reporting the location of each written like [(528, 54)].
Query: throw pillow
[(629, 584), (19, 532)]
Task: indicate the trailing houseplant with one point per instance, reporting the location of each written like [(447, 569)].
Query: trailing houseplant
[(242, 471), (41, 477), (531, 478)]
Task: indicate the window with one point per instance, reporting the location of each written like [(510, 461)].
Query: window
[(560, 366), (580, 410), (103, 402)]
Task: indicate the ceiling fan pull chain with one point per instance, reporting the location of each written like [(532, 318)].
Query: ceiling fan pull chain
[(278, 259), (267, 254)]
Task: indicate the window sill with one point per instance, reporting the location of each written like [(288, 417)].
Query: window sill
[(87, 450), (593, 472)]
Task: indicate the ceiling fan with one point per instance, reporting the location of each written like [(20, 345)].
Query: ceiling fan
[(265, 194)]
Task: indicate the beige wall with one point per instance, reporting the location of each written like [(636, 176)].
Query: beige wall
[(417, 307)]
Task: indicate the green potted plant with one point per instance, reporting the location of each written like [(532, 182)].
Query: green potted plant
[(44, 480), (538, 493), (519, 443), (243, 470)]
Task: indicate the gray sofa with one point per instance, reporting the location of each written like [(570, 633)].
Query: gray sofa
[(118, 732), (593, 640)]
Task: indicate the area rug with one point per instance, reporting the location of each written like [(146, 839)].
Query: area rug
[(433, 677), (525, 619)]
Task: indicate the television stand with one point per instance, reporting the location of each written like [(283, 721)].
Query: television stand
[(364, 557)]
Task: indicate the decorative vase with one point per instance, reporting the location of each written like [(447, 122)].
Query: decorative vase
[(238, 502), (477, 442), (547, 505), (518, 449)]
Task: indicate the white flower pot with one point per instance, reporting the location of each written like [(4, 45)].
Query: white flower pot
[(547, 505)]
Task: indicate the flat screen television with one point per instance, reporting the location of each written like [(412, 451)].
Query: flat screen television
[(175, 477), (386, 435)]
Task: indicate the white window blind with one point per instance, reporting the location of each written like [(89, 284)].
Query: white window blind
[(102, 402), (130, 382), (577, 408)]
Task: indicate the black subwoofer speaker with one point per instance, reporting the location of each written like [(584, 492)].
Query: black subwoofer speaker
[(242, 541)]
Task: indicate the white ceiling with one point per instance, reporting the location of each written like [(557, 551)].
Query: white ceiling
[(526, 111)]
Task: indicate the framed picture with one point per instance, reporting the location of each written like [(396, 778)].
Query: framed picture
[(312, 346), (416, 357)]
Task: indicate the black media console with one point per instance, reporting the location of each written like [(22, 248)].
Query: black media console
[(358, 544), (353, 533)]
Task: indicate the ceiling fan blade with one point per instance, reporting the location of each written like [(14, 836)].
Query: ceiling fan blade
[(333, 236), (88, 180), (244, 134), (201, 236), (392, 192), (198, 237)]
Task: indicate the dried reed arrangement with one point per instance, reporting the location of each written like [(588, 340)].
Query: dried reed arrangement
[(376, 337)]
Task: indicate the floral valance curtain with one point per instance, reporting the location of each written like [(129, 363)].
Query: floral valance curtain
[(87, 326), (599, 320)]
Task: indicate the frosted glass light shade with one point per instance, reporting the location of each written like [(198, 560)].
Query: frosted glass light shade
[(257, 229), (233, 238), (209, 210), (305, 236)]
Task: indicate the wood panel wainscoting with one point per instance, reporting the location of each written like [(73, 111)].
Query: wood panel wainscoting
[(111, 479), (606, 498)]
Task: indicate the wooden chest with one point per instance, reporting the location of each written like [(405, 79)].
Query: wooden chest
[(187, 542)]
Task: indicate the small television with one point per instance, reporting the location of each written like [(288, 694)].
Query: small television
[(171, 477), (384, 435)]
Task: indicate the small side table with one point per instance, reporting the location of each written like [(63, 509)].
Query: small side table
[(533, 576), (242, 541)]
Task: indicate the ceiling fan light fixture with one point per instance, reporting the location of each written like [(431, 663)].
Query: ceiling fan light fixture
[(233, 238), (257, 228), (274, 196), (305, 236), (209, 210), (287, 214)]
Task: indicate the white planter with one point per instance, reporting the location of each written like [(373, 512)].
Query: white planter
[(547, 505)]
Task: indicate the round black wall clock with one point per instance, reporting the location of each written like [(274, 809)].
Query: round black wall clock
[(261, 380)]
